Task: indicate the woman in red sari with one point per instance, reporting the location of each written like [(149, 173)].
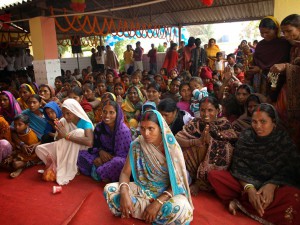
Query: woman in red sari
[(171, 59), (263, 181)]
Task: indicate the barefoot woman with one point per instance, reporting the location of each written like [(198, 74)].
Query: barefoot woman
[(263, 181), (207, 144)]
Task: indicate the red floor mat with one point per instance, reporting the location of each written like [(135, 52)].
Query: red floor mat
[(27, 200)]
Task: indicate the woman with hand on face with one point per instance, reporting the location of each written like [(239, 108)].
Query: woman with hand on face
[(160, 192), (105, 160), (263, 181), (74, 132), (47, 93), (207, 143)]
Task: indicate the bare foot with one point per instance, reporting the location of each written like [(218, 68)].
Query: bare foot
[(194, 189), (232, 207), (18, 164), (16, 173)]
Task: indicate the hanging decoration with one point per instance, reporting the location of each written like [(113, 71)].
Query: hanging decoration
[(5, 18), (207, 2), (78, 5), (122, 28)]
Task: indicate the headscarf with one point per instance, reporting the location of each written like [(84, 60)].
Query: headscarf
[(14, 109), (148, 104), (276, 23), (127, 104), (52, 91), (78, 82), (174, 158), (20, 100), (75, 108), (54, 106), (36, 85)]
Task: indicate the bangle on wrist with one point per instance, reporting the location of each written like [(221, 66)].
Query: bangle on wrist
[(248, 186), (159, 201), (122, 184), (168, 193)]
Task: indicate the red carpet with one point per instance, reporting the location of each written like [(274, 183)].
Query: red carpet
[(27, 200)]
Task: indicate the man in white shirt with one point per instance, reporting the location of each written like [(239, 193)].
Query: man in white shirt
[(28, 58)]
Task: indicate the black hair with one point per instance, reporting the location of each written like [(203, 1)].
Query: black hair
[(183, 84), (212, 39), (238, 65), (251, 98), (112, 103), (211, 100), (89, 84), (245, 87), (164, 69), (77, 91), (167, 105), (269, 109), (24, 118), (119, 85), (231, 55), (175, 79), (36, 96), (109, 95), (150, 116), (60, 78), (185, 75), (155, 86), (293, 20), (268, 23), (219, 54)]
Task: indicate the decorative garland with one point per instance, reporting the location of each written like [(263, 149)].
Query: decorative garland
[(122, 28)]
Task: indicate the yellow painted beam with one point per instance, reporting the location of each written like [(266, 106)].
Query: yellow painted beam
[(283, 8)]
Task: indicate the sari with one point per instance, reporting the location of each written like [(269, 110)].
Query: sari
[(14, 108), (5, 139), (37, 124), (130, 109), (153, 172), (29, 138), (114, 142), (63, 154), (21, 102), (288, 102), (218, 153), (211, 53), (272, 159)]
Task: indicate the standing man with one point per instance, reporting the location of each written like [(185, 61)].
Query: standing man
[(137, 55), (100, 59), (128, 58), (153, 63), (198, 58), (93, 60), (28, 59)]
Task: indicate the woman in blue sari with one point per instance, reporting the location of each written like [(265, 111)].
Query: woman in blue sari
[(160, 192), (37, 122)]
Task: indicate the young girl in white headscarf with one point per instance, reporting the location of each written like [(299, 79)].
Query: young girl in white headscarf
[(74, 132)]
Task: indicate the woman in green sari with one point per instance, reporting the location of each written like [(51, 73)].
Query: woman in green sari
[(160, 192)]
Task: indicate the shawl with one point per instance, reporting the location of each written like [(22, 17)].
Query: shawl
[(20, 100), (37, 124), (268, 53), (114, 142), (111, 60), (261, 160), (154, 172), (54, 106), (87, 107), (14, 108), (244, 121), (171, 60), (75, 108), (128, 107), (220, 148)]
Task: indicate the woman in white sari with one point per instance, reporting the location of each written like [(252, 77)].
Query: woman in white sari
[(160, 192), (74, 133)]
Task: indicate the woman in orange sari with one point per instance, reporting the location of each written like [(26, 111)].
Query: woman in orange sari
[(211, 52)]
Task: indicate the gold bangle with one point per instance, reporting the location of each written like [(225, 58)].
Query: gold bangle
[(248, 186), (124, 183)]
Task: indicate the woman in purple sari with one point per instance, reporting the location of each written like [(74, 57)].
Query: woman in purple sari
[(105, 160)]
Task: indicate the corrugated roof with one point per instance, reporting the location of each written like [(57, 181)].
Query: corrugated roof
[(9, 3)]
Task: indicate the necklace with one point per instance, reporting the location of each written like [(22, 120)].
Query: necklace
[(157, 147)]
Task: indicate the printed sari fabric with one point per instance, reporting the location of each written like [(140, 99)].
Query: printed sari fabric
[(130, 109), (153, 173), (5, 139), (218, 153), (14, 108), (115, 142), (21, 102), (37, 123), (63, 154), (29, 138)]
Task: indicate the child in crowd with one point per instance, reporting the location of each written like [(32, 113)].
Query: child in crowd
[(239, 73), (52, 113), (101, 88), (219, 63), (186, 96), (109, 81), (125, 79), (26, 142), (198, 92), (172, 75), (77, 94), (119, 90), (206, 76), (160, 80), (136, 79), (174, 90), (230, 63)]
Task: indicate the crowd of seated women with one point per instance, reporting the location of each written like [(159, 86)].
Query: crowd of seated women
[(159, 139)]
